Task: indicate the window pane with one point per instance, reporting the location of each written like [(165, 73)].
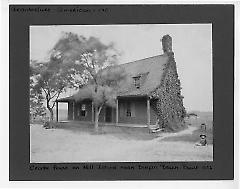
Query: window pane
[(137, 82), (83, 107)]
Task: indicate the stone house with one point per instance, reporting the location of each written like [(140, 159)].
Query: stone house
[(150, 95)]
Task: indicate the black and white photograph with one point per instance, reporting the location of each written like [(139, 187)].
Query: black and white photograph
[(121, 93), (125, 92)]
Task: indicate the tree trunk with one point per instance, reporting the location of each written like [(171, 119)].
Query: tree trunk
[(96, 119), (50, 109), (51, 113), (97, 113)]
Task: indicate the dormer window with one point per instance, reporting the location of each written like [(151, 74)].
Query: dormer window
[(136, 82)]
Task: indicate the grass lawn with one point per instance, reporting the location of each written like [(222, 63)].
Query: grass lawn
[(71, 143)]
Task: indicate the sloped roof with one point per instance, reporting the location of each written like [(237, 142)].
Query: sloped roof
[(66, 99), (150, 71)]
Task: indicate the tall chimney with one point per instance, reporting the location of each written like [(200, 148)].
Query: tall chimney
[(167, 43)]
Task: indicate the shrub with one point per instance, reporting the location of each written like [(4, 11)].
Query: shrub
[(50, 125)]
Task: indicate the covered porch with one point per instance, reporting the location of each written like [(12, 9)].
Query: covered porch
[(77, 122), (131, 111)]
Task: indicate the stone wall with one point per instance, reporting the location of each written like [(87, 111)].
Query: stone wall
[(169, 101)]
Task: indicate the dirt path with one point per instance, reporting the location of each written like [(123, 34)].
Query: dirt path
[(187, 131)]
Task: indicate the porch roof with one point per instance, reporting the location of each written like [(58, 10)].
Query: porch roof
[(66, 99), (71, 98)]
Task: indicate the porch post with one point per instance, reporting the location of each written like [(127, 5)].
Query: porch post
[(117, 112), (92, 112), (148, 112), (73, 110), (57, 111), (68, 111)]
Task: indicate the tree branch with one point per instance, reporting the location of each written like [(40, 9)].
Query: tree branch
[(56, 99), (53, 96), (45, 93), (86, 60), (100, 108), (89, 69)]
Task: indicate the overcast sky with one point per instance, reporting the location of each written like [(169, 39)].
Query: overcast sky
[(192, 46)]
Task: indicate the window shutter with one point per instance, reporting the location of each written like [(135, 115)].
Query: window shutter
[(133, 109)]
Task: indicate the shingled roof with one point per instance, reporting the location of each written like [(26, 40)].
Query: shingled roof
[(149, 71)]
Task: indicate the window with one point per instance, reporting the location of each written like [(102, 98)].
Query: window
[(128, 109), (83, 110), (83, 107), (137, 82)]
